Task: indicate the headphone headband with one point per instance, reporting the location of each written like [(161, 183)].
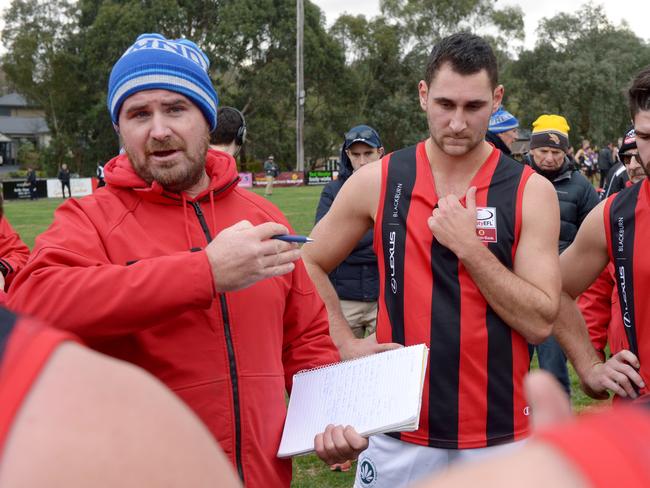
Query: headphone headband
[(240, 137)]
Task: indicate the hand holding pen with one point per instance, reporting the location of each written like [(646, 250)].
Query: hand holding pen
[(293, 238)]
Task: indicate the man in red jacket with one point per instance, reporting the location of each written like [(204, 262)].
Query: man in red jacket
[(136, 270)]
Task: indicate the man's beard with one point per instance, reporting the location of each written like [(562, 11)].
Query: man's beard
[(458, 150), (178, 176)]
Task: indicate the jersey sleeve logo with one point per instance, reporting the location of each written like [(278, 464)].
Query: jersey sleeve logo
[(486, 224)]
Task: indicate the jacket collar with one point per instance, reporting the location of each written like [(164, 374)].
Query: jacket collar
[(220, 167)]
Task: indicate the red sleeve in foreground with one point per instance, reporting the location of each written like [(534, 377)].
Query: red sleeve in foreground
[(609, 449)]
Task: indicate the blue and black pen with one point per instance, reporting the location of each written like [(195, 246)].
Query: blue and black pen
[(293, 238)]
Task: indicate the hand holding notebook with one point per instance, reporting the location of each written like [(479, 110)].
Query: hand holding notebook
[(374, 394)]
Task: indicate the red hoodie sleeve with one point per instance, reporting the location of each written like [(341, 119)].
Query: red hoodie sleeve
[(13, 252), (80, 290), (609, 449), (307, 342), (596, 307)]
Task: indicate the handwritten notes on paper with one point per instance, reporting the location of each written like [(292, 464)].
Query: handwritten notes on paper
[(374, 394)]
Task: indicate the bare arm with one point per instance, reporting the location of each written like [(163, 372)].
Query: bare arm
[(525, 298), (335, 236), (580, 265), (94, 421)]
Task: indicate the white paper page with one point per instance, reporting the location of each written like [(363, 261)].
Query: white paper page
[(369, 393)]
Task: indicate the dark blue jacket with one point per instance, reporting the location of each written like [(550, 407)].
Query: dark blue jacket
[(356, 278)]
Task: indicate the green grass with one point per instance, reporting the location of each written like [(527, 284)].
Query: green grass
[(299, 205), (30, 218)]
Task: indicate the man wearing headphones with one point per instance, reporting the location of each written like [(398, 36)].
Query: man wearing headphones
[(230, 134)]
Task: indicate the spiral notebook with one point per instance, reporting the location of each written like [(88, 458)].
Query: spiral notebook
[(374, 394)]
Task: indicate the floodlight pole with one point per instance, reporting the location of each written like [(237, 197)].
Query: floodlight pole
[(300, 89)]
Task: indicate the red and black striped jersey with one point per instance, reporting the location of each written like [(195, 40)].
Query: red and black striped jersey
[(627, 227), (25, 347), (473, 395)]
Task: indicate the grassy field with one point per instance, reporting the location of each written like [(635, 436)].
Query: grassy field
[(299, 205)]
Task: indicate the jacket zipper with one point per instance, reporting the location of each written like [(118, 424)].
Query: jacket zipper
[(231, 352)]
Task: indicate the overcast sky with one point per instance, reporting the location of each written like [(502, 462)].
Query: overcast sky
[(635, 12)]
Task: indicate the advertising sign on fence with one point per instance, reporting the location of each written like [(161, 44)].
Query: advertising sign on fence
[(80, 187), (19, 189), (286, 178), (245, 180), (320, 177)]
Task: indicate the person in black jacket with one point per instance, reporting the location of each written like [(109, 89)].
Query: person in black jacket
[(356, 280), (605, 162), (31, 179), (64, 178), (549, 143), (628, 170)]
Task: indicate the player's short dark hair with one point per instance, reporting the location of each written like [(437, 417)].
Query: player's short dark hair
[(639, 93), (229, 123), (467, 53)]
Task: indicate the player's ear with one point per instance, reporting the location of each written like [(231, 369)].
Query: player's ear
[(423, 91), (497, 97)]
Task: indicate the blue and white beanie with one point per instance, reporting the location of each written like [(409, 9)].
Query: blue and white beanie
[(154, 62), (502, 121)]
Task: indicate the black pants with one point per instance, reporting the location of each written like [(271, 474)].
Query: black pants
[(603, 177), (63, 185)]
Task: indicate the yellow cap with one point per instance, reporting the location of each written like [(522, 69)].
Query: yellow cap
[(555, 123)]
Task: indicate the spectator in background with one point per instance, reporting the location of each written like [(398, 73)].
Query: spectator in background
[(503, 130), (549, 143), (272, 171), (64, 178), (230, 134), (587, 160), (605, 162), (619, 175), (356, 280), (31, 179), (100, 175), (13, 254)]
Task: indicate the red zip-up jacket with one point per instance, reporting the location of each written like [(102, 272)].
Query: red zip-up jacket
[(13, 252), (124, 269)]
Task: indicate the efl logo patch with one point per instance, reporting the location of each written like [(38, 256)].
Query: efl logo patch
[(486, 224)]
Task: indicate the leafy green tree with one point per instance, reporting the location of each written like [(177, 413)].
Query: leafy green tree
[(579, 68)]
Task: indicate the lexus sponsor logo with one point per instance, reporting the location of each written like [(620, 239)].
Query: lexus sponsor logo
[(392, 239), (627, 319)]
